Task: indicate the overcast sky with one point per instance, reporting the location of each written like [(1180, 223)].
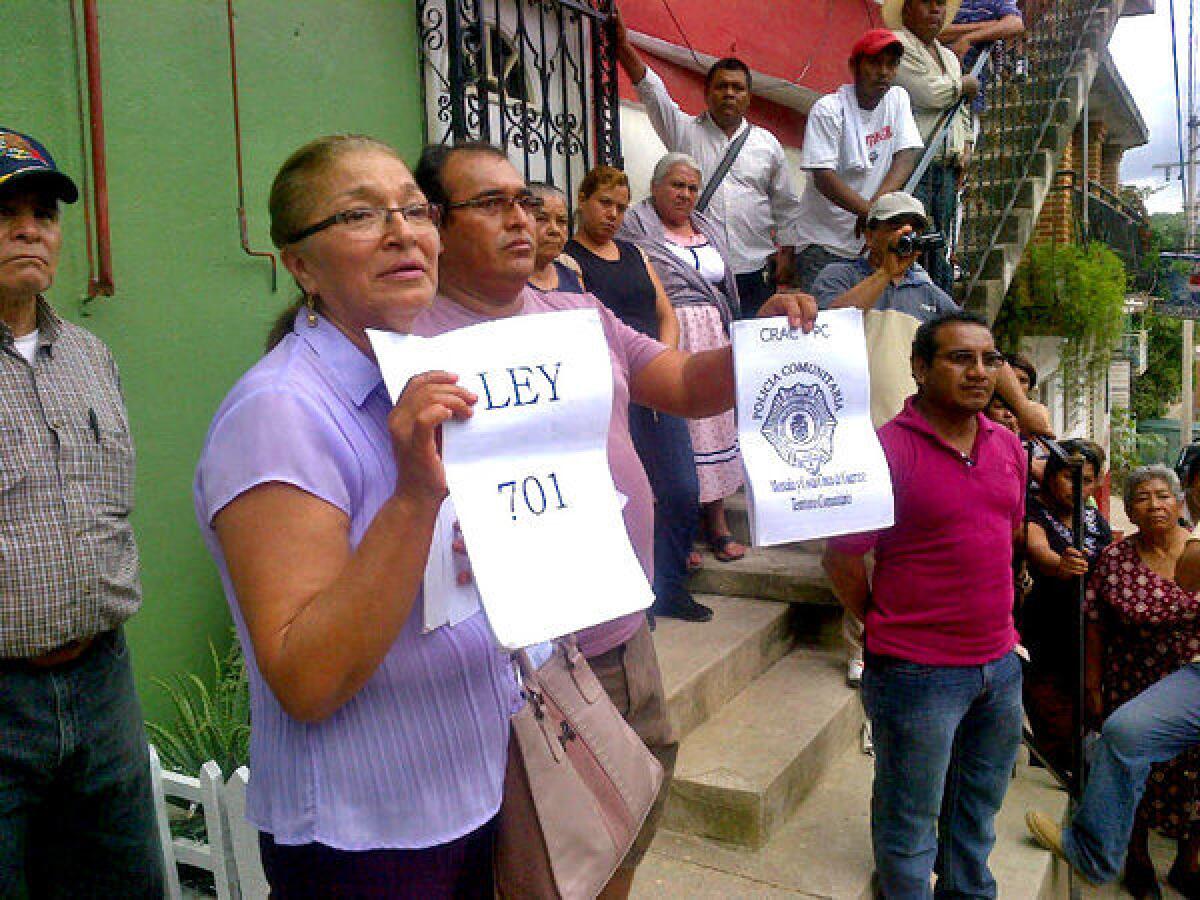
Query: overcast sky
[(1141, 47)]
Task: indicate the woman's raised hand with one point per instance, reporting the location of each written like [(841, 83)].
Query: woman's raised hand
[(428, 401)]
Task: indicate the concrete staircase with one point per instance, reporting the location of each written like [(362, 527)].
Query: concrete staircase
[(771, 793), (983, 215)]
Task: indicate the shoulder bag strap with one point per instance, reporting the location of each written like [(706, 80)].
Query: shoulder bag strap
[(723, 169)]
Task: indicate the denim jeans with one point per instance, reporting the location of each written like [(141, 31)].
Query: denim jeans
[(946, 739), (809, 263), (938, 190), (76, 815), (665, 449), (755, 289), (1155, 726)]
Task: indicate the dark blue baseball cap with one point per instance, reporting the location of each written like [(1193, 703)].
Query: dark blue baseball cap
[(25, 161)]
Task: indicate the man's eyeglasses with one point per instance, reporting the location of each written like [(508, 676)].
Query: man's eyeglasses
[(965, 358), (500, 204), (370, 222)]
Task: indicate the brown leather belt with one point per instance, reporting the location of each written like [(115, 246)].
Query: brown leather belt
[(53, 659)]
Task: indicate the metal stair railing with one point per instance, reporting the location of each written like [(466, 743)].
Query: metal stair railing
[(1024, 91), (1111, 221)]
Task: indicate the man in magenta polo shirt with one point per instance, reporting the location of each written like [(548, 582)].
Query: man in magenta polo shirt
[(942, 685)]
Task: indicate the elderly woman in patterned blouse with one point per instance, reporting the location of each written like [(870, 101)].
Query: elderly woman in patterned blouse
[(1141, 627)]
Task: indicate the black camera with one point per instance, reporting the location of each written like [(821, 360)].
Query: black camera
[(917, 243)]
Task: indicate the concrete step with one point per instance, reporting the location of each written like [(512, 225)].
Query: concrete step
[(791, 574), (1015, 228), (987, 298), (706, 664), (741, 774), (824, 850)]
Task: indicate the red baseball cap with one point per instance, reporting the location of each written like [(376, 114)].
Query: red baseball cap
[(875, 42)]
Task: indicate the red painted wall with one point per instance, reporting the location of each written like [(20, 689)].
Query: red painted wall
[(805, 41)]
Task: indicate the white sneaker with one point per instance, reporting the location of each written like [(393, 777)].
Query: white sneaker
[(854, 672)]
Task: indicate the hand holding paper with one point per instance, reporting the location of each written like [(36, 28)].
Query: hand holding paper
[(427, 400)]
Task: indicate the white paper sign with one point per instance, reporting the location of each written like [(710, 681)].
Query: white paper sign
[(446, 601), (814, 467), (529, 471)]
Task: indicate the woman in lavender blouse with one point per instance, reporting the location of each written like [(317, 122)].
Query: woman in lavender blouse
[(377, 751)]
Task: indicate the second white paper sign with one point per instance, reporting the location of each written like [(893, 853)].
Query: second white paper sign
[(814, 467)]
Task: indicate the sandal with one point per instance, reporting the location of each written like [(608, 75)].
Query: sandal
[(1141, 880), (1187, 883), (720, 548)]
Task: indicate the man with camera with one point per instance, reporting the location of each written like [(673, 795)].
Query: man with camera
[(893, 291), (897, 296)]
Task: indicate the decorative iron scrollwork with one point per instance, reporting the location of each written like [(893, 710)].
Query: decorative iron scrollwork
[(538, 77)]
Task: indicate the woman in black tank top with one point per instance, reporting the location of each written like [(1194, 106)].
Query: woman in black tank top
[(622, 278), (616, 271)]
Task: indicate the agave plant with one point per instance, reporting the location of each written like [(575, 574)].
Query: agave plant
[(211, 723)]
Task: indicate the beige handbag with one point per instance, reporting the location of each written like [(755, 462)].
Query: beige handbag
[(578, 786)]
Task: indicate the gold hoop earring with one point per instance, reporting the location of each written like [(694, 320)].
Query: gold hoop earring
[(310, 303)]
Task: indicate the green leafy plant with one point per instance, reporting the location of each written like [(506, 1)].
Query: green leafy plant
[(211, 722), (1077, 293)]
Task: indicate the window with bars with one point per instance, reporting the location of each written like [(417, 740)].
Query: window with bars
[(537, 77)]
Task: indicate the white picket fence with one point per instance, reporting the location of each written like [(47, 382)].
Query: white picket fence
[(230, 852)]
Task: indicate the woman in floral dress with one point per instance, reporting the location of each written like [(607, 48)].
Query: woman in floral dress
[(1141, 627)]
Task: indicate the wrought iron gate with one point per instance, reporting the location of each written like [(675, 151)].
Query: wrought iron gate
[(538, 77)]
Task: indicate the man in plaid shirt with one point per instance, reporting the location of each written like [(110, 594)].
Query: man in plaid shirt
[(76, 815)]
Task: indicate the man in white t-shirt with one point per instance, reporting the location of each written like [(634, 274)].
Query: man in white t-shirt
[(861, 142)]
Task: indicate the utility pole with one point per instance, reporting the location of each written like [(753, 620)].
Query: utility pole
[(1189, 210), (1188, 350)]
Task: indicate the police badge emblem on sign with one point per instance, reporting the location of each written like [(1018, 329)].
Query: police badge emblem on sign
[(800, 427), (814, 466)]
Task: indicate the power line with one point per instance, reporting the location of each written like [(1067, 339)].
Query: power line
[(1178, 102), (1189, 187), (683, 34)]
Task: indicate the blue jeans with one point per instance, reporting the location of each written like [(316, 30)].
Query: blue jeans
[(810, 262), (1155, 726), (754, 289), (946, 739), (76, 815), (938, 190), (665, 449)]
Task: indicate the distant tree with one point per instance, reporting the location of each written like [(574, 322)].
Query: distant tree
[(1159, 386), (1170, 229)]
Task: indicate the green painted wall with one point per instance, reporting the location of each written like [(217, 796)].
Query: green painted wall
[(191, 310)]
